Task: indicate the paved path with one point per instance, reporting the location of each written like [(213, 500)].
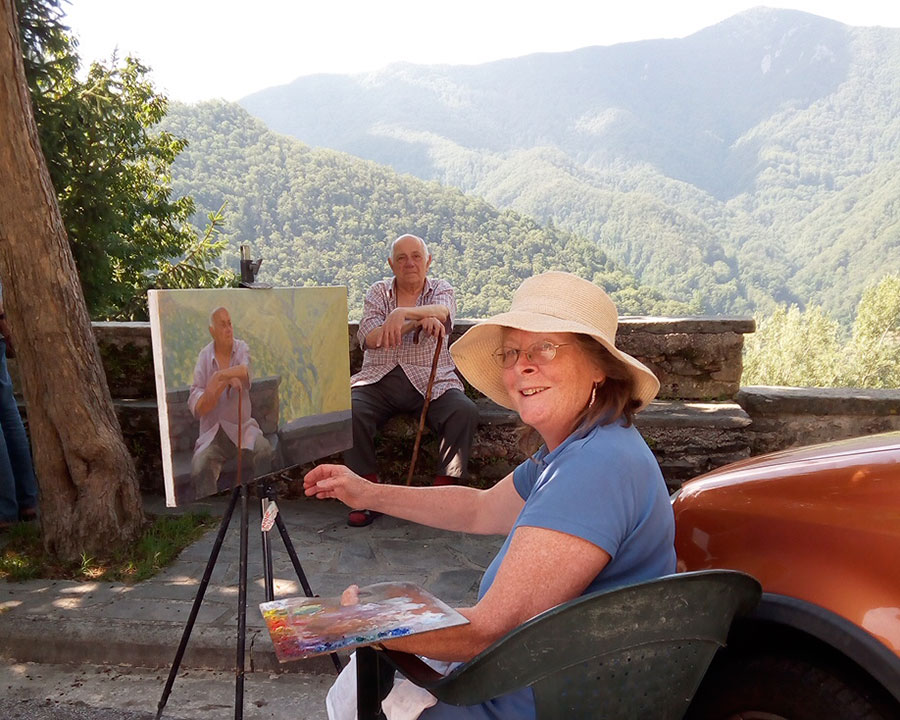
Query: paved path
[(45, 621)]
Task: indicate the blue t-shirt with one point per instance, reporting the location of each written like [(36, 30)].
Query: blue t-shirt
[(604, 486)]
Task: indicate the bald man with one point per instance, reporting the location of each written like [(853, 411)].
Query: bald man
[(395, 371)]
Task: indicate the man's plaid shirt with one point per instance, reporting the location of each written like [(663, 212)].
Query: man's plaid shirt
[(415, 359)]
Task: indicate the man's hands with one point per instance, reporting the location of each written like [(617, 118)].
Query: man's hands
[(432, 327), (220, 382), (391, 333), (394, 328), (337, 481)]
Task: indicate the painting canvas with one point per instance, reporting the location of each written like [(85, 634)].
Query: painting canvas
[(303, 627), (266, 370)]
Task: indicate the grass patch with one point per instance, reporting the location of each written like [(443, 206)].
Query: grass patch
[(22, 557)]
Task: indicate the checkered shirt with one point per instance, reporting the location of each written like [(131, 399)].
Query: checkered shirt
[(415, 359)]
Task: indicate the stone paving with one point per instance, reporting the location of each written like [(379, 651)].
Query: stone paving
[(142, 624)]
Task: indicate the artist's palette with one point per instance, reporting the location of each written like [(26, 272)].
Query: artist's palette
[(303, 627)]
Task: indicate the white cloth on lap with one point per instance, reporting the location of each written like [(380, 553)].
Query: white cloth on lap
[(405, 701)]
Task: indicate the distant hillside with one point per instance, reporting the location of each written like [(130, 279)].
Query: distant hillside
[(751, 162), (325, 218)]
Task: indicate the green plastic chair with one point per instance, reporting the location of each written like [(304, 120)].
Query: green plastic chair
[(638, 651)]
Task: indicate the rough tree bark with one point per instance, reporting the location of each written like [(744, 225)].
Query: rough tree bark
[(90, 500)]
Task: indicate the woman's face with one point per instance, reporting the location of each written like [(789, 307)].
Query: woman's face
[(549, 397)]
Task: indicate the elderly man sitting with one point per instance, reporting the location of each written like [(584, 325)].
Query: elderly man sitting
[(221, 386), (403, 318)]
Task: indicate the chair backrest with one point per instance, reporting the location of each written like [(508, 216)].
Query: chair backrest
[(635, 652)]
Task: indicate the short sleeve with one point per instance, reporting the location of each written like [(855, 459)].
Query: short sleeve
[(198, 387), (585, 496), (524, 477), (374, 312), (444, 295)]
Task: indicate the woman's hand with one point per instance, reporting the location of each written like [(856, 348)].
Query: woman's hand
[(350, 596), (337, 481)]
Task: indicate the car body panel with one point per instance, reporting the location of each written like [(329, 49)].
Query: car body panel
[(819, 523)]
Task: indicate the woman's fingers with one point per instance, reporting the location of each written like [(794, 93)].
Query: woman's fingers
[(350, 596)]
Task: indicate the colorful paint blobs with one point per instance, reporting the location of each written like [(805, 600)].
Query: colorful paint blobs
[(303, 627)]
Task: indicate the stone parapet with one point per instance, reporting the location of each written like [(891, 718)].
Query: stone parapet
[(691, 438), (687, 439), (695, 358), (786, 417), (127, 355)]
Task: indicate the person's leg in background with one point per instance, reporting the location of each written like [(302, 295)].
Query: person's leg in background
[(18, 486), (453, 417), (372, 406)]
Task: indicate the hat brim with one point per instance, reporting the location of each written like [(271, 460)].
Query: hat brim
[(472, 353)]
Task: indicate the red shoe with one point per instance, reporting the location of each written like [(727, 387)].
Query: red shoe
[(440, 480), (361, 518)]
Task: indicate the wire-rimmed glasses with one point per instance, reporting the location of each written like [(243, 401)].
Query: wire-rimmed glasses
[(540, 353)]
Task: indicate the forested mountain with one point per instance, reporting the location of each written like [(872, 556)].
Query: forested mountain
[(754, 161), (321, 217)]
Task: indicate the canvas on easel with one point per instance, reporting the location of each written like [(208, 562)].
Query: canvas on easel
[(249, 381), (294, 397)]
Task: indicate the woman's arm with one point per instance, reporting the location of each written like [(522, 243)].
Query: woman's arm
[(542, 568), (452, 507)]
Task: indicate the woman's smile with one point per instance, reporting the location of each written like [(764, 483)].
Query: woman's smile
[(549, 396)]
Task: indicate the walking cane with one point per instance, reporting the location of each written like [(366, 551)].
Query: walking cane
[(415, 456), (237, 479)]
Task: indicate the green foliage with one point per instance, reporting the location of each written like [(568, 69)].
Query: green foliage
[(23, 557), (806, 349), (753, 164), (795, 348), (110, 168), (876, 336), (320, 217)]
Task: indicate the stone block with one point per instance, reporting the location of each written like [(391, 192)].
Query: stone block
[(785, 417)]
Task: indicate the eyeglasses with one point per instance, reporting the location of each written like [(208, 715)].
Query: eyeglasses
[(540, 354)]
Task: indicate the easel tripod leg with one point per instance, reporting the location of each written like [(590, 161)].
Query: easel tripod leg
[(242, 612), (268, 576), (198, 600)]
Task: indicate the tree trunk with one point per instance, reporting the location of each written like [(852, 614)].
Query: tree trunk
[(90, 500)]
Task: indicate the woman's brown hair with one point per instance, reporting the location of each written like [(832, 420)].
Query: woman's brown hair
[(614, 397)]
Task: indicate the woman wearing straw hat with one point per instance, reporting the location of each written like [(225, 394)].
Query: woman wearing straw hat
[(588, 511)]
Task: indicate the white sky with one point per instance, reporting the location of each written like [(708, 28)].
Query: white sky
[(201, 49)]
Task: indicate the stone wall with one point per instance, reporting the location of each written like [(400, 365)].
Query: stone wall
[(695, 358), (787, 417), (693, 427)]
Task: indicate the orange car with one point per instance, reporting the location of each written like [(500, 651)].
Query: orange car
[(819, 527)]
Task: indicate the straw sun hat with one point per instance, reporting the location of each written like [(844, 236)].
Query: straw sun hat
[(553, 302)]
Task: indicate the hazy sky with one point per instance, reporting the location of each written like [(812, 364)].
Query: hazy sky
[(201, 49)]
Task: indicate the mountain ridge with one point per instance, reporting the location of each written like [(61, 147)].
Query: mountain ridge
[(715, 165)]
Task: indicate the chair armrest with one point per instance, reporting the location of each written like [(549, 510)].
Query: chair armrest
[(412, 667), (670, 627)]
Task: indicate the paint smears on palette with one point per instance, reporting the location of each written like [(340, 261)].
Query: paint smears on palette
[(303, 627)]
